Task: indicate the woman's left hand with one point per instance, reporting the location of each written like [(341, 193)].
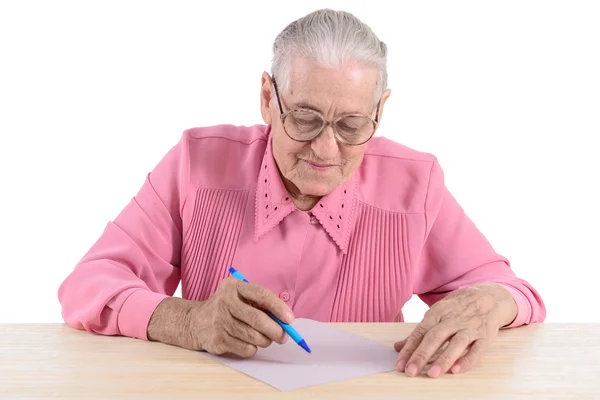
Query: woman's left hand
[(467, 320)]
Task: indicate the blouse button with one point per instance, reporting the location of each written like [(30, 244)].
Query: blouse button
[(285, 296)]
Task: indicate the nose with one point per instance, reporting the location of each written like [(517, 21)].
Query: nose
[(325, 146)]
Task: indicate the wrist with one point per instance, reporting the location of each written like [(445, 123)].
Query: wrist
[(170, 322), (508, 306)]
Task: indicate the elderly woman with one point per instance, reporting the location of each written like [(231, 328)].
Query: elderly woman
[(325, 220)]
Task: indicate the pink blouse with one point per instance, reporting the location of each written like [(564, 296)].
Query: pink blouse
[(216, 200)]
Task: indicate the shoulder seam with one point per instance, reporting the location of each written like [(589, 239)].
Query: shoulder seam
[(398, 157), (427, 196), (386, 210), (228, 138), (245, 189)]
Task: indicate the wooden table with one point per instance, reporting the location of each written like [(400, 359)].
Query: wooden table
[(548, 361)]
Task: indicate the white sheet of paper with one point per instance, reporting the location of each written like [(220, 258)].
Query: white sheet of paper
[(336, 355)]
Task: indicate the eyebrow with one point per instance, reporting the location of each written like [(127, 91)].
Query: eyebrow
[(303, 104)]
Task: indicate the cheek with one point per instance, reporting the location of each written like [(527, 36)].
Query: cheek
[(286, 150), (353, 157)]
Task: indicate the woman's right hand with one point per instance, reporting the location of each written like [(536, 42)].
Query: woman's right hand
[(231, 321)]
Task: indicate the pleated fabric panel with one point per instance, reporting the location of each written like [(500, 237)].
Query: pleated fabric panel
[(206, 255), (373, 273)]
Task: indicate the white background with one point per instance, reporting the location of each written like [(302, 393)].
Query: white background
[(93, 94)]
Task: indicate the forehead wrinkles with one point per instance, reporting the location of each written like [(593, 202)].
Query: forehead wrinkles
[(331, 102), (347, 90)]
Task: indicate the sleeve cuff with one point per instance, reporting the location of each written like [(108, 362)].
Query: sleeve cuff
[(136, 312), (523, 307)]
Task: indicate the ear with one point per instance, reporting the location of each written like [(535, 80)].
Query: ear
[(265, 97), (384, 97)]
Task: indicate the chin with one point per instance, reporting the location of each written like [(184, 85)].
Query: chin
[(317, 189)]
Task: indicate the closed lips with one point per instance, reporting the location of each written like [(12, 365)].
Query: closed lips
[(318, 165)]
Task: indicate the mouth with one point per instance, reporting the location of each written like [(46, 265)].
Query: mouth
[(318, 166)]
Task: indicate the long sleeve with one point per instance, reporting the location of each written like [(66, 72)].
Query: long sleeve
[(456, 254), (134, 265)]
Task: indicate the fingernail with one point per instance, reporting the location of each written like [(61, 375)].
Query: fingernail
[(285, 338), (400, 366), (411, 370), (434, 371), (290, 317), (455, 369)]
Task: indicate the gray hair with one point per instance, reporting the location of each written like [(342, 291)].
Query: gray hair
[(332, 39)]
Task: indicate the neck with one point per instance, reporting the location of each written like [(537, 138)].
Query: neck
[(302, 202), (305, 203)]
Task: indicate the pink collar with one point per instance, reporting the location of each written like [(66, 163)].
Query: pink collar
[(335, 211)]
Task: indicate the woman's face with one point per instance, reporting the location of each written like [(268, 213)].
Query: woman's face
[(317, 167)]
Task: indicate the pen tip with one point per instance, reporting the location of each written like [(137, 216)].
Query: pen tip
[(303, 344)]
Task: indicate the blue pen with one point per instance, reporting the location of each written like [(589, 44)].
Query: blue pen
[(286, 327)]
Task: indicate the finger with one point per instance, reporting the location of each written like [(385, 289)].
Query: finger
[(473, 355), (232, 345), (432, 341), (412, 342), (266, 300), (240, 348), (457, 345), (246, 333), (259, 321), (400, 344)]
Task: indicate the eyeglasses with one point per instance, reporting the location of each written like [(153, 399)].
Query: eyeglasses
[(304, 125)]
